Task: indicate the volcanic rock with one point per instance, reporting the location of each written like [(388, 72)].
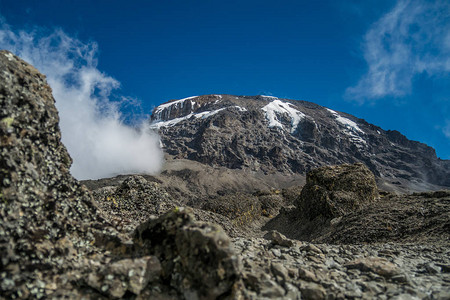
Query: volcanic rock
[(334, 191), (196, 257), (55, 242), (48, 218)]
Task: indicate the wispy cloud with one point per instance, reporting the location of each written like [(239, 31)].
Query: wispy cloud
[(412, 38), (92, 126), (446, 129)]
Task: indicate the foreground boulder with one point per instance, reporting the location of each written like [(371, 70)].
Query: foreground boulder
[(55, 242), (47, 218), (197, 258), (333, 191)]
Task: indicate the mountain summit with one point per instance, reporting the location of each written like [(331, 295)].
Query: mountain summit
[(270, 134)]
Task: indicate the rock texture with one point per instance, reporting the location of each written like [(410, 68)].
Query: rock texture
[(48, 218), (54, 241), (197, 257), (334, 191), (323, 271), (392, 247), (274, 135), (133, 240), (341, 204)]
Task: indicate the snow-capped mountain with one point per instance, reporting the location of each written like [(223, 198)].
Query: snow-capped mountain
[(269, 134)]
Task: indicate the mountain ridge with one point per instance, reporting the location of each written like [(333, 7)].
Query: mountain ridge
[(292, 137)]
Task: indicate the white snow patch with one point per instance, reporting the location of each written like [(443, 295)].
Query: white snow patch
[(241, 109), (175, 103), (269, 97), (350, 128), (346, 122), (207, 114), (277, 108), (202, 115), (170, 123)]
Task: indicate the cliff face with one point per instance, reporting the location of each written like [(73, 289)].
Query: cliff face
[(280, 135)]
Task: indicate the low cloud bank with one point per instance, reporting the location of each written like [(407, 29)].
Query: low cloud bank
[(92, 127)]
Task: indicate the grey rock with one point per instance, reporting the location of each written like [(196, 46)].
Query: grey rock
[(276, 252), (48, 218), (279, 270), (271, 289), (278, 239), (312, 291), (196, 257), (377, 265), (312, 249), (307, 275), (431, 268)]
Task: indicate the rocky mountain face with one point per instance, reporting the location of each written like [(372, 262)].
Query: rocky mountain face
[(284, 136)]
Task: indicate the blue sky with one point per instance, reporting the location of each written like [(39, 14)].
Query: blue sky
[(384, 61)]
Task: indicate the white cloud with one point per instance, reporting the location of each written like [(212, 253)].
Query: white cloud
[(412, 38), (446, 129), (92, 128)]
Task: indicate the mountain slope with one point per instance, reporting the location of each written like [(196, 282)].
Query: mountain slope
[(272, 135)]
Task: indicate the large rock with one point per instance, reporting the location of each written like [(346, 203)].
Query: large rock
[(333, 191), (55, 243), (47, 217), (197, 258), (133, 201)]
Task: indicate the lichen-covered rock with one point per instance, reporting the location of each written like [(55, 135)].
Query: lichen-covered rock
[(197, 258), (55, 243), (333, 191), (133, 202), (47, 217), (132, 275)]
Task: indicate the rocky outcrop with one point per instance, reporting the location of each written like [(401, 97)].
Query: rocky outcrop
[(197, 258), (284, 136), (133, 201), (283, 267), (48, 218), (341, 205), (56, 243), (334, 191)]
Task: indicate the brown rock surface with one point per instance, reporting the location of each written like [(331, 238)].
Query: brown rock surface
[(334, 191)]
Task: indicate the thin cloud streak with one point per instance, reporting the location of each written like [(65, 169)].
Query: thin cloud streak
[(446, 129), (92, 127), (412, 38)]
